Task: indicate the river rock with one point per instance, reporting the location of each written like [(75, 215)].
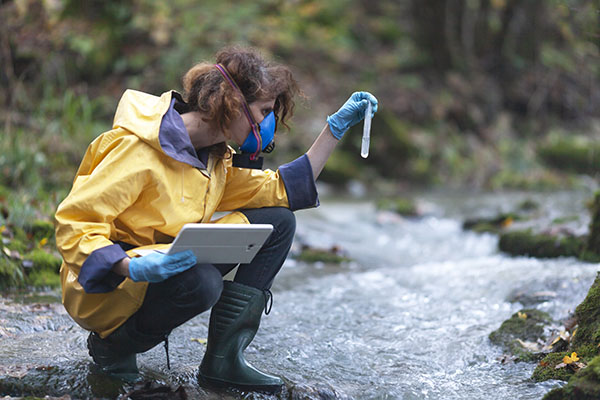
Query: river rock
[(585, 385), (541, 245), (82, 380), (585, 337), (522, 335)]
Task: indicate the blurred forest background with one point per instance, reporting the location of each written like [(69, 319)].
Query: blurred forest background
[(485, 94)]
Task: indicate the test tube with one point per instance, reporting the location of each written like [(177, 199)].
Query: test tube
[(364, 149)]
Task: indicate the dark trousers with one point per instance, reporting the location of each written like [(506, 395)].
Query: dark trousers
[(176, 300)]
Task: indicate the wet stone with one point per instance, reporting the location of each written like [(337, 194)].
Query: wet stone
[(82, 380), (520, 334), (529, 299)]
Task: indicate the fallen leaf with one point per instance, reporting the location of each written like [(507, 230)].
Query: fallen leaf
[(199, 340), (543, 363), (529, 346), (561, 365), (570, 359), (507, 222), (522, 315), (579, 365), (43, 242)]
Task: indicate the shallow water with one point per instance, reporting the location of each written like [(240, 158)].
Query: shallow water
[(408, 319)]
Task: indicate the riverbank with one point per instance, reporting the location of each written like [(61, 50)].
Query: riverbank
[(409, 317)]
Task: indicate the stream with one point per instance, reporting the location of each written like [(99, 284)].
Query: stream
[(408, 318)]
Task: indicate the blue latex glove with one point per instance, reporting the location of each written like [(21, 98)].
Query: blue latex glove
[(351, 113), (156, 267)]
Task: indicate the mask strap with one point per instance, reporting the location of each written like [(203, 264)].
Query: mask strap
[(255, 127)]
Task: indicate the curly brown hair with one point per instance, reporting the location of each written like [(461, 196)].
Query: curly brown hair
[(207, 91)]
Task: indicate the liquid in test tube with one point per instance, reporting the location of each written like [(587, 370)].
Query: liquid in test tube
[(364, 149)]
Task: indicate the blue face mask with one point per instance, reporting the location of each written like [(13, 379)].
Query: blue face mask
[(266, 132)]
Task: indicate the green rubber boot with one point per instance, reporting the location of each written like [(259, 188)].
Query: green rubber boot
[(234, 321), (116, 354)]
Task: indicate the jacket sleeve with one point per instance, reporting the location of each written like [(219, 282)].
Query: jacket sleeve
[(108, 181), (291, 186)]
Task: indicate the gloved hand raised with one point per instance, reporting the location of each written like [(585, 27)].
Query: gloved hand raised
[(156, 267), (351, 113)]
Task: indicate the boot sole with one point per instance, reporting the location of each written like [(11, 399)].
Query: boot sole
[(221, 384)]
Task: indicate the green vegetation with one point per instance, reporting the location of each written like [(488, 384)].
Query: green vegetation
[(400, 205), (585, 385), (579, 155), (541, 245), (466, 104), (463, 106), (493, 224), (524, 326), (545, 245), (585, 338), (593, 243), (312, 255)]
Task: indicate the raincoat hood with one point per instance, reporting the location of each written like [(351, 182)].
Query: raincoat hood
[(155, 121)]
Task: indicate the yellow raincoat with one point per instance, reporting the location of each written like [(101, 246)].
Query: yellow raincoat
[(137, 185)]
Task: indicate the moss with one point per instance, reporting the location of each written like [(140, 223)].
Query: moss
[(588, 317), (20, 235), (11, 273), (493, 225), (43, 261), (546, 369), (593, 243), (584, 341), (585, 385), (400, 205), (529, 205), (589, 256), (43, 279), (571, 155), (541, 245), (17, 245), (40, 229), (525, 325), (326, 256)]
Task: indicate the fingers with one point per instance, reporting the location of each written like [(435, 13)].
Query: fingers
[(362, 96), (183, 256)]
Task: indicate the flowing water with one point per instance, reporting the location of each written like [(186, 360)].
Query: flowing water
[(409, 318)]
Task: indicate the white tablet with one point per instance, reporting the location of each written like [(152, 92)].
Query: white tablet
[(221, 243)]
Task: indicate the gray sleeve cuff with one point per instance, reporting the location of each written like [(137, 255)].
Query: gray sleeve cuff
[(299, 184), (96, 275)]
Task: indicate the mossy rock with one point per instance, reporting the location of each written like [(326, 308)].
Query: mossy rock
[(541, 245), (526, 325), (546, 369), (584, 385), (584, 342), (317, 255), (588, 318), (593, 243), (529, 205), (573, 156), (43, 261), (492, 225), (400, 205)]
